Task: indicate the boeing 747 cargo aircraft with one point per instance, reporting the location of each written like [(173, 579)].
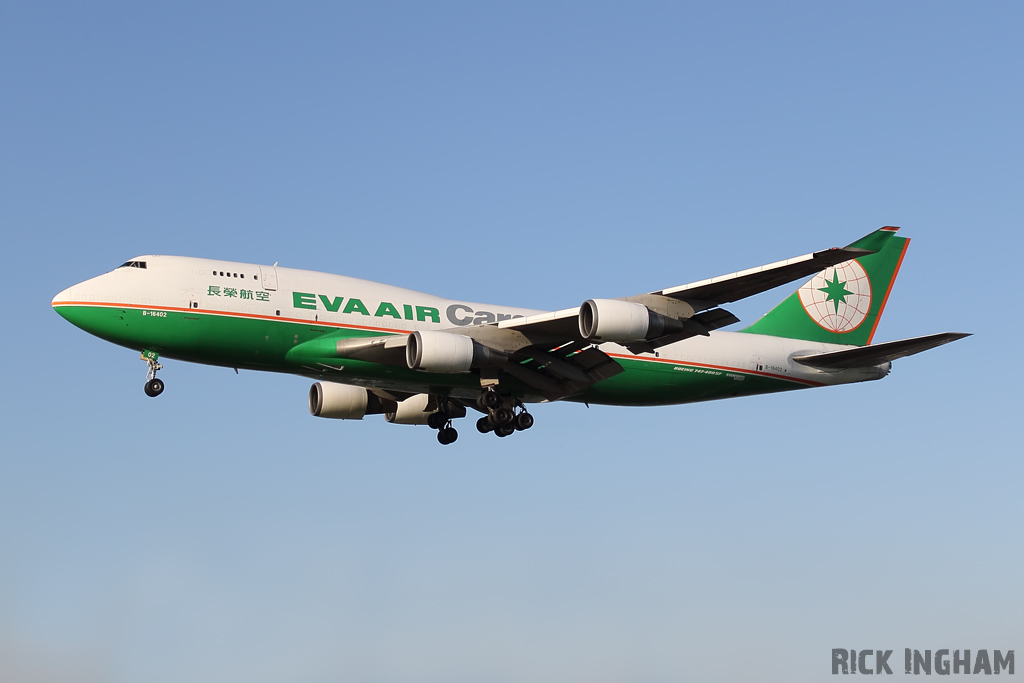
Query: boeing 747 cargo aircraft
[(425, 360)]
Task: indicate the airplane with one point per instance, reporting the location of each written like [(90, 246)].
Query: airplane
[(425, 360)]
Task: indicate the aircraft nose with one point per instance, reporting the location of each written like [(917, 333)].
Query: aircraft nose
[(62, 296)]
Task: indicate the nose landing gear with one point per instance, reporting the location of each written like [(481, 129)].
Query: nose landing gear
[(154, 387)]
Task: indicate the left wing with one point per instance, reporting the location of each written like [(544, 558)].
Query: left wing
[(554, 370)]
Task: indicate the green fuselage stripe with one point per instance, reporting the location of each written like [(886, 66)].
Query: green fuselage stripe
[(269, 343)]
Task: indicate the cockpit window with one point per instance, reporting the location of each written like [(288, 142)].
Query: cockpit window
[(133, 264)]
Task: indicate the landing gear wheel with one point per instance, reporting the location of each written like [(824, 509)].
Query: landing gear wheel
[(490, 399), (524, 421), (504, 430), (504, 416), (437, 421), (447, 435), (483, 426), (154, 387)]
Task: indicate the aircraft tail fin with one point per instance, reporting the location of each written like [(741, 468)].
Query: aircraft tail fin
[(843, 303)]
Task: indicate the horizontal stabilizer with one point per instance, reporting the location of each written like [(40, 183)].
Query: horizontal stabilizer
[(877, 354)]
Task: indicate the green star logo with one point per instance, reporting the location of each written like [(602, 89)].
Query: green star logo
[(836, 291)]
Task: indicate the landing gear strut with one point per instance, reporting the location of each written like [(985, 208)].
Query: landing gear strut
[(154, 387)]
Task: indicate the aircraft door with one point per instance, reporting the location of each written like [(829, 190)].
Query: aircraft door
[(268, 274), (191, 300)]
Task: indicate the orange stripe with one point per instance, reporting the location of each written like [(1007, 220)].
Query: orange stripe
[(885, 300), (232, 314), (718, 367)]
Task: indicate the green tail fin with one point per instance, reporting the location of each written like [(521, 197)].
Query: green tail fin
[(843, 303)]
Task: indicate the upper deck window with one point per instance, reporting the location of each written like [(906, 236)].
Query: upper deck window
[(133, 264)]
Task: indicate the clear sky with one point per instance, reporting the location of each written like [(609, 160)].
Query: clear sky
[(533, 154)]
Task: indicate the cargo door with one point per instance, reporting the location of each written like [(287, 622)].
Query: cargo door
[(269, 278)]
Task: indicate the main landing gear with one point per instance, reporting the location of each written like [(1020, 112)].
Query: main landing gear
[(154, 387), (504, 414), (440, 421)]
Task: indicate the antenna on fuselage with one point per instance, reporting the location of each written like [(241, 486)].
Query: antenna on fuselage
[(275, 264)]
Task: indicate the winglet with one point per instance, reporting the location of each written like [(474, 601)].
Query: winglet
[(874, 241)]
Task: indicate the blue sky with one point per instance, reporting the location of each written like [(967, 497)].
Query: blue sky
[(533, 155)]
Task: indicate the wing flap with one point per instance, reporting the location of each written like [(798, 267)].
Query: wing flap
[(877, 354), (563, 371)]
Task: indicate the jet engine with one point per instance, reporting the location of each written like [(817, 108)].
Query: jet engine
[(445, 352), (342, 401), (411, 411), (613, 320)]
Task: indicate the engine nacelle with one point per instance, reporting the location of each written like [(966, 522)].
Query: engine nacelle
[(411, 411), (342, 401), (445, 352), (613, 320)]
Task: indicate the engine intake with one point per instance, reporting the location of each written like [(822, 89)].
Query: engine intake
[(448, 353), (342, 401), (613, 320)]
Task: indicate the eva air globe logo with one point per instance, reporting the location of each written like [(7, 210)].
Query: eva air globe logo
[(838, 298)]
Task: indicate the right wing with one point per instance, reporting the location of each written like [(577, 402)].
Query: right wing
[(548, 351), (735, 286), (694, 305)]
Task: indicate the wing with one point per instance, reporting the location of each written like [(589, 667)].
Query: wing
[(693, 305), (553, 370), (735, 286), (549, 353)]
